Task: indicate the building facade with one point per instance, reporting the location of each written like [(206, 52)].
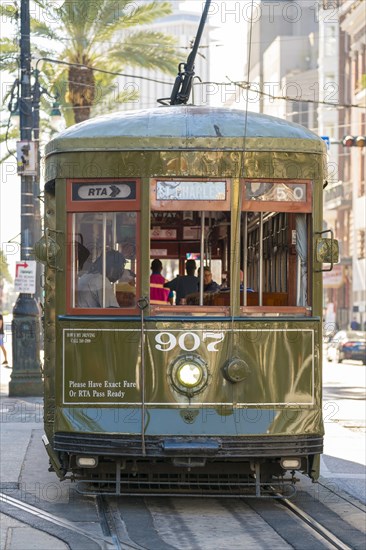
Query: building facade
[(352, 159)]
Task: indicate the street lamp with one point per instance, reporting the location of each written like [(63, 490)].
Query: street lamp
[(26, 378)]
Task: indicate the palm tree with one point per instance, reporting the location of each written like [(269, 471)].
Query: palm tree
[(84, 37), (101, 35)]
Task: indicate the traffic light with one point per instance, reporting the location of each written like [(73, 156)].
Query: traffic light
[(27, 158), (354, 141)]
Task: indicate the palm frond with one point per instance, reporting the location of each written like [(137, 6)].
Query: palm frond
[(151, 50), (132, 15), (44, 30), (7, 11)]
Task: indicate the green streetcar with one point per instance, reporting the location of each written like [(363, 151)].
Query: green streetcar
[(220, 394)]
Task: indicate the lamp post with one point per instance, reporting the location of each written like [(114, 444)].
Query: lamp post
[(26, 379)]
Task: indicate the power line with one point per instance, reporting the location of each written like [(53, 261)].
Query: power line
[(240, 84), (247, 86)]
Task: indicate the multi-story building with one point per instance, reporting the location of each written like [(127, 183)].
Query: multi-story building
[(315, 57), (283, 34), (352, 159)]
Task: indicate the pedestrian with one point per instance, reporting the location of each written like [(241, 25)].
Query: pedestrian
[(355, 325), (5, 362)]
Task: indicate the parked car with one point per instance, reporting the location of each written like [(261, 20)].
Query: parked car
[(347, 344)]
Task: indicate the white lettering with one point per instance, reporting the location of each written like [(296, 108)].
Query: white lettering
[(187, 341)]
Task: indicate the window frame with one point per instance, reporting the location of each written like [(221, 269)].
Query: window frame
[(181, 206), (292, 207), (101, 206)]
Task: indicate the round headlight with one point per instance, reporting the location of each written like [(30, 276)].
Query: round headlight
[(189, 374)]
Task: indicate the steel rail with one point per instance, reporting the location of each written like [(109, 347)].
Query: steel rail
[(60, 522), (315, 525)]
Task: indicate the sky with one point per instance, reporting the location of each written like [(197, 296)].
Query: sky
[(228, 59)]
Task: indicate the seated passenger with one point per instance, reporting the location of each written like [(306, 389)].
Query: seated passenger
[(90, 285), (208, 284), (126, 289), (185, 284), (158, 294)]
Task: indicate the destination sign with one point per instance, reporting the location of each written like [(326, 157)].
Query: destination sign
[(191, 190), (104, 191), (282, 192)]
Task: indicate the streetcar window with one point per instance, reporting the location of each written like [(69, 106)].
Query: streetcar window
[(190, 226), (179, 236), (274, 248), (103, 262)]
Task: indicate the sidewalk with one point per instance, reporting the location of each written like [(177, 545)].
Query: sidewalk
[(19, 417), (24, 473)]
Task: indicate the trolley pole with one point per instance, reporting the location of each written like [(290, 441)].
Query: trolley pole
[(26, 379)]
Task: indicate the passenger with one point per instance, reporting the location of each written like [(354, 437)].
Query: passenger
[(186, 284), (90, 285), (158, 294), (208, 284), (83, 255), (126, 289)]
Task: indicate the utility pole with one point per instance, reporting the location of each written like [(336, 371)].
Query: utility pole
[(26, 379)]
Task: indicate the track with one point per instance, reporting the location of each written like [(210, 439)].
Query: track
[(172, 522), (329, 537)]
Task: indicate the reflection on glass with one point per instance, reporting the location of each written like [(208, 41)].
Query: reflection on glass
[(104, 260)]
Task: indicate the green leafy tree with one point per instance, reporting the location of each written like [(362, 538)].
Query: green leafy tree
[(90, 36)]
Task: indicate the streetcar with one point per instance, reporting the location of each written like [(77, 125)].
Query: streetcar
[(220, 394)]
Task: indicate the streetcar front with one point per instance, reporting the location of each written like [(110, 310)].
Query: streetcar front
[(215, 391)]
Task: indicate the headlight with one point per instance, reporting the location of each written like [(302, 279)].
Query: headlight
[(189, 374)]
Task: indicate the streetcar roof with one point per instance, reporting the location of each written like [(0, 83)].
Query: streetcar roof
[(186, 127)]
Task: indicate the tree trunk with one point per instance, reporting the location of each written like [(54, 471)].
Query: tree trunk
[(81, 92)]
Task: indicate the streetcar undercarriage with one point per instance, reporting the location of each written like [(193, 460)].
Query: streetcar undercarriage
[(194, 466)]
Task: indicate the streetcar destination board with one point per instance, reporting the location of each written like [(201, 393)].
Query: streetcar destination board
[(191, 190)]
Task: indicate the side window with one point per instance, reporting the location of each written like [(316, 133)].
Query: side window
[(275, 225)]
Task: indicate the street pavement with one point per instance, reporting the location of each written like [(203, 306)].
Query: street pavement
[(21, 428)]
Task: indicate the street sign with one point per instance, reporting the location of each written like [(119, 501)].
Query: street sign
[(327, 141), (104, 191), (25, 276)]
